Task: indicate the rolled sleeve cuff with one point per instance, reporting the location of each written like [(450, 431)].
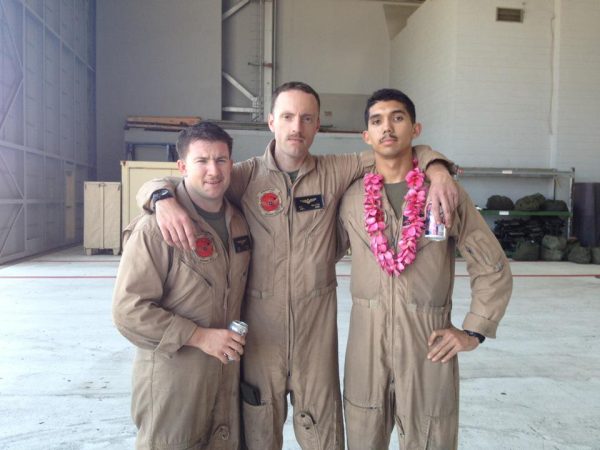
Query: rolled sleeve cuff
[(179, 331), (481, 325)]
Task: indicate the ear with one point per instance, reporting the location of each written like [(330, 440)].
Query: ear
[(270, 122), (181, 167), (417, 128), (366, 137)]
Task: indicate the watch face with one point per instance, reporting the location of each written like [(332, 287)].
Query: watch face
[(161, 194)]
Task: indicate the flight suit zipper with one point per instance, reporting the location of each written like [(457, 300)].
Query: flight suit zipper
[(289, 190), (225, 250), (395, 232), (228, 265)]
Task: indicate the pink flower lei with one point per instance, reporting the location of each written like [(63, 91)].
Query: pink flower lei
[(412, 227)]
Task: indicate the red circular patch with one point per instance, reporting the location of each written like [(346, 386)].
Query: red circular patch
[(204, 247), (269, 202)]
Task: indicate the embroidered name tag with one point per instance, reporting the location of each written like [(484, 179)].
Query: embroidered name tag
[(308, 203), (242, 244)]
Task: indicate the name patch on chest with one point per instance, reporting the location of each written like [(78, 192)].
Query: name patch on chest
[(242, 244), (308, 202)]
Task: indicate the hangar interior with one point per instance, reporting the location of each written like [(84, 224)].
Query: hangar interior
[(508, 89), (490, 93)]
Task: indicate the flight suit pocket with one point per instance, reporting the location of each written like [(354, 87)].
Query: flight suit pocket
[(430, 279), (305, 429), (262, 271), (192, 293), (365, 426), (440, 388), (199, 275), (258, 426), (364, 353), (482, 258)]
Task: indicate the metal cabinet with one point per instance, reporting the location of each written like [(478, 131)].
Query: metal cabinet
[(102, 217)]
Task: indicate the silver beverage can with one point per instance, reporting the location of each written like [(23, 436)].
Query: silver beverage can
[(434, 231), (239, 327)]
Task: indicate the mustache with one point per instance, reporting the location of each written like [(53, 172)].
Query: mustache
[(388, 136), (295, 136)]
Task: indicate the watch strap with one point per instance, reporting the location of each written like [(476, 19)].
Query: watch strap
[(479, 336), (160, 194)]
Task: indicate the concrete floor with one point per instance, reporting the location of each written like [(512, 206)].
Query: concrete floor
[(65, 371)]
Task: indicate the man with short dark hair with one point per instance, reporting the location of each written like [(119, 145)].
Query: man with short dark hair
[(290, 199), (175, 306), (401, 365)]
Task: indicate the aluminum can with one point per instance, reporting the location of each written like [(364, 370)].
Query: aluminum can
[(434, 231), (239, 327)]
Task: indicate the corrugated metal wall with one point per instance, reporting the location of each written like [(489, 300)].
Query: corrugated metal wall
[(47, 122)]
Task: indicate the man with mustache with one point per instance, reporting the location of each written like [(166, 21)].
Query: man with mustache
[(175, 307), (290, 199), (401, 366)]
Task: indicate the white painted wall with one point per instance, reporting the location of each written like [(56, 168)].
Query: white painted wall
[(578, 121), (336, 47), (503, 85), (340, 48), (423, 65), (506, 94), (154, 57)]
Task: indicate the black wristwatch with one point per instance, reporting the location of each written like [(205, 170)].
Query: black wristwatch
[(160, 194), (479, 336)]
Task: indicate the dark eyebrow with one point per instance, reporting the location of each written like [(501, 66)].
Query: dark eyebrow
[(396, 111)]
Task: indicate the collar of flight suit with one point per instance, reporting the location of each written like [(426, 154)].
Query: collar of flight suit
[(184, 199), (308, 164)]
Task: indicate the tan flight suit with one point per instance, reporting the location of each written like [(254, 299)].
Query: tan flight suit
[(290, 304), (388, 378), (182, 398)]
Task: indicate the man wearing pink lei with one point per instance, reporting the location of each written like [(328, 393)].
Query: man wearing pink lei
[(401, 365), (290, 199)]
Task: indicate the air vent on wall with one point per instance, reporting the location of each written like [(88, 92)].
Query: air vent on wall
[(509, 15)]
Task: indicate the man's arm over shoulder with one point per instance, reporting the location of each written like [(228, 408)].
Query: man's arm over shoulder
[(138, 293), (345, 168), (488, 267), (240, 178), (427, 156), (174, 222), (144, 194), (443, 193)]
